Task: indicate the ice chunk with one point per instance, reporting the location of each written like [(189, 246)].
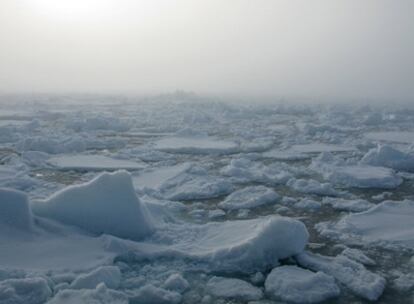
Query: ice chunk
[(308, 204), (101, 294), (405, 137), (249, 197), (93, 162), (350, 273), (243, 170), (358, 255), (386, 156), (109, 275), (195, 145), (156, 177), (106, 204), (195, 184), (311, 186), (150, 294), (176, 282), (320, 147), (360, 176), (352, 205), (389, 223), (230, 288), (246, 245), (22, 291), (297, 285), (14, 210)]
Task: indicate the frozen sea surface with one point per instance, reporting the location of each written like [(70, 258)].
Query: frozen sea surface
[(109, 201)]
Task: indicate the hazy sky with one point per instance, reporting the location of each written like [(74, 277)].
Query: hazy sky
[(347, 48)]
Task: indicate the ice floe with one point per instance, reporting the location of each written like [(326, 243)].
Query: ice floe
[(405, 137), (106, 204), (354, 175), (387, 156), (229, 288), (249, 197), (196, 145), (93, 162), (348, 272), (387, 224), (297, 285)]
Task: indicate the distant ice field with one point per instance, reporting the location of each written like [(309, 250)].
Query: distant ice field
[(175, 200)]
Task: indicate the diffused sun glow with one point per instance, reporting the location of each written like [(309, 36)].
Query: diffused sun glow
[(72, 9)]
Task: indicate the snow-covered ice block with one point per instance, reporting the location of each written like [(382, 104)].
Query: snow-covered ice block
[(311, 186), (195, 184), (364, 177), (26, 290), (101, 294), (109, 275), (243, 246), (14, 210), (196, 145), (404, 137), (308, 204), (249, 197), (320, 147), (150, 294), (389, 223), (176, 282), (154, 178), (230, 288), (350, 273), (387, 156), (357, 255), (338, 172), (352, 205), (106, 204), (243, 170), (93, 162), (297, 285), (246, 245)]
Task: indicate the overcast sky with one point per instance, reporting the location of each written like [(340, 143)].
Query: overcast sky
[(346, 48)]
